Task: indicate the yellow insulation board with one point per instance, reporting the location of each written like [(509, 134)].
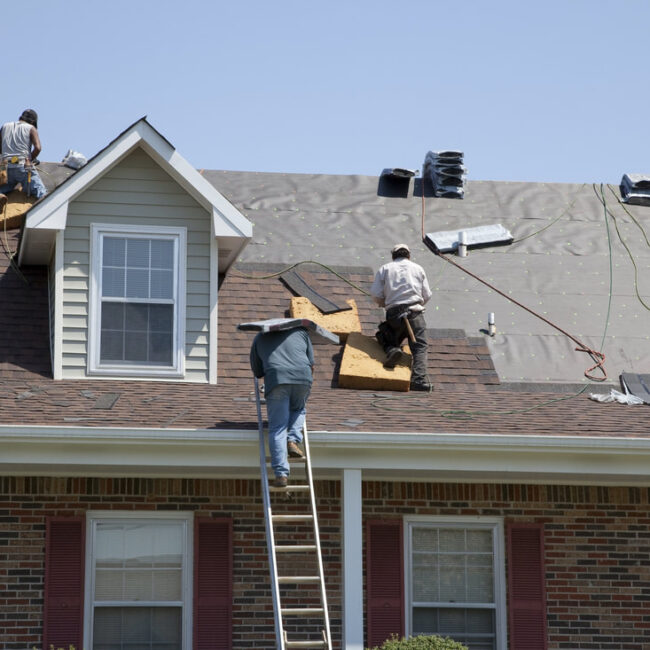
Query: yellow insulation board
[(13, 214), (362, 366), (341, 322)]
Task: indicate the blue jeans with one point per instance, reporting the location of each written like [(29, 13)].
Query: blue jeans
[(20, 174), (285, 408)]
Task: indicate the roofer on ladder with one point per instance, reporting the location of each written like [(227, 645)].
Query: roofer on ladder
[(401, 287), (20, 145), (286, 361)]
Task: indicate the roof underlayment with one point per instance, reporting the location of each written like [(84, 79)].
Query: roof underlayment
[(558, 263)]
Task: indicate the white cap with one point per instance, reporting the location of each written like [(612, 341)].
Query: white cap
[(400, 247)]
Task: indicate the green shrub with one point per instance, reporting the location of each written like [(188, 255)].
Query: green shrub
[(421, 643)]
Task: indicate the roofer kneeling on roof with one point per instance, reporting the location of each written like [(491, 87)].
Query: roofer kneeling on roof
[(401, 287), (286, 361), (20, 146)]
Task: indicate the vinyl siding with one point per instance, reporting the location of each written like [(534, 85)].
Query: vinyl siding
[(136, 192)]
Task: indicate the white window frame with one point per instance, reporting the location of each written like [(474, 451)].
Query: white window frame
[(495, 524), (94, 365), (93, 517)]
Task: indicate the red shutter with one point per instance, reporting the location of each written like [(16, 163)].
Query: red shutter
[(64, 582), (384, 580), (526, 592), (213, 584)]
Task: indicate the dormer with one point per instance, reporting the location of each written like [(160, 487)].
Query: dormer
[(134, 243)]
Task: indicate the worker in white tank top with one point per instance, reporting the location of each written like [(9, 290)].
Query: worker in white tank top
[(20, 145)]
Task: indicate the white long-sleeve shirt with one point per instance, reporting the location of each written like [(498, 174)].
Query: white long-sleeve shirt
[(401, 282)]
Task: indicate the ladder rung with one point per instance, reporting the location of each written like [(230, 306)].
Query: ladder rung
[(300, 611), (295, 548), (306, 517), (290, 488), (290, 459), (297, 579), (306, 644)]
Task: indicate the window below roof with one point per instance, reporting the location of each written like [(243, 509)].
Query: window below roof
[(455, 584), (138, 587), (137, 301)]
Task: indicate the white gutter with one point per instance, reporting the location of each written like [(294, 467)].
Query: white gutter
[(379, 455)]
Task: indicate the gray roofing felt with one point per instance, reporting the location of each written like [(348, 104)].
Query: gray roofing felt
[(583, 272), (558, 264)]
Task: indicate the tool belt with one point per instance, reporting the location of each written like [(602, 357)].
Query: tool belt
[(14, 160), (4, 179)]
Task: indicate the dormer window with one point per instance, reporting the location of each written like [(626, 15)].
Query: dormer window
[(137, 300)]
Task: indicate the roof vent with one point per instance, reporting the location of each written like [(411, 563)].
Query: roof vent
[(399, 172), (447, 173), (635, 189)]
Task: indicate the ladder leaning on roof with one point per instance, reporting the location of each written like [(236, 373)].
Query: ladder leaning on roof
[(317, 608)]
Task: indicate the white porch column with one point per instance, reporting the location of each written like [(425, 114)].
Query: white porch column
[(352, 561)]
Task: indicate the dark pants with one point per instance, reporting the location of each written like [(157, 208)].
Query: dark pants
[(393, 331)]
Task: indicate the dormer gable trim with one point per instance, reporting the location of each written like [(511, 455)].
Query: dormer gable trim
[(50, 215)]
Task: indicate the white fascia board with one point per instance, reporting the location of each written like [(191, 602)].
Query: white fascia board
[(387, 456)]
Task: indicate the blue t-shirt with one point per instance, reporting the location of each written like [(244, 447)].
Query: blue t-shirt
[(284, 357)]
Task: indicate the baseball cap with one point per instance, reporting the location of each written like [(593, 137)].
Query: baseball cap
[(400, 247)]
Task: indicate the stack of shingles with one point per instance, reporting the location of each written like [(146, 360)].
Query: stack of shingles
[(447, 173), (454, 358)]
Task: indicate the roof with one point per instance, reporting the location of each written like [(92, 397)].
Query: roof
[(526, 383), (558, 265)]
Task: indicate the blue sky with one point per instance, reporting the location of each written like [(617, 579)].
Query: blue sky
[(550, 91)]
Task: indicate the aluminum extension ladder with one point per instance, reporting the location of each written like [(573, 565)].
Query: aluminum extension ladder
[(303, 553)]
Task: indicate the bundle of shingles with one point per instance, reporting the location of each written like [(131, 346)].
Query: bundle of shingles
[(447, 173), (635, 189)]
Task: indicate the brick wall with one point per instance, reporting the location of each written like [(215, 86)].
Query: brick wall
[(26, 502), (597, 546), (597, 550)]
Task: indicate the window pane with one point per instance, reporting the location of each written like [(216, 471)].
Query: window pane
[(114, 251), (162, 284), (480, 587), (137, 253), (473, 627), (137, 317), (160, 349), (162, 254), (425, 539), (136, 628), (112, 346), (452, 540), (112, 316), (135, 346), (161, 318), (137, 283), (112, 283), (479, 540)]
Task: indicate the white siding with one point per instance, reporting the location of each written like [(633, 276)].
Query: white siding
[(136, 192)]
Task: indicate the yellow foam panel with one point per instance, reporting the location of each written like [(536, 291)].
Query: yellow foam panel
[(341, 322), (362, 366), (17, 204)]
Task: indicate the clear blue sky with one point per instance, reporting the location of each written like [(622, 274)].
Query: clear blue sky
[(545, 91)]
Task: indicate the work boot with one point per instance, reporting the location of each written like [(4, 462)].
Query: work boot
[(281, 482), (294, 451), (3, 202), (392, 357), (421, 385)]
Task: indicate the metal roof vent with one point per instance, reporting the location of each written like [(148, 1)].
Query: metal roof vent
[(447, 173), (635, 189), (399, 172)]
